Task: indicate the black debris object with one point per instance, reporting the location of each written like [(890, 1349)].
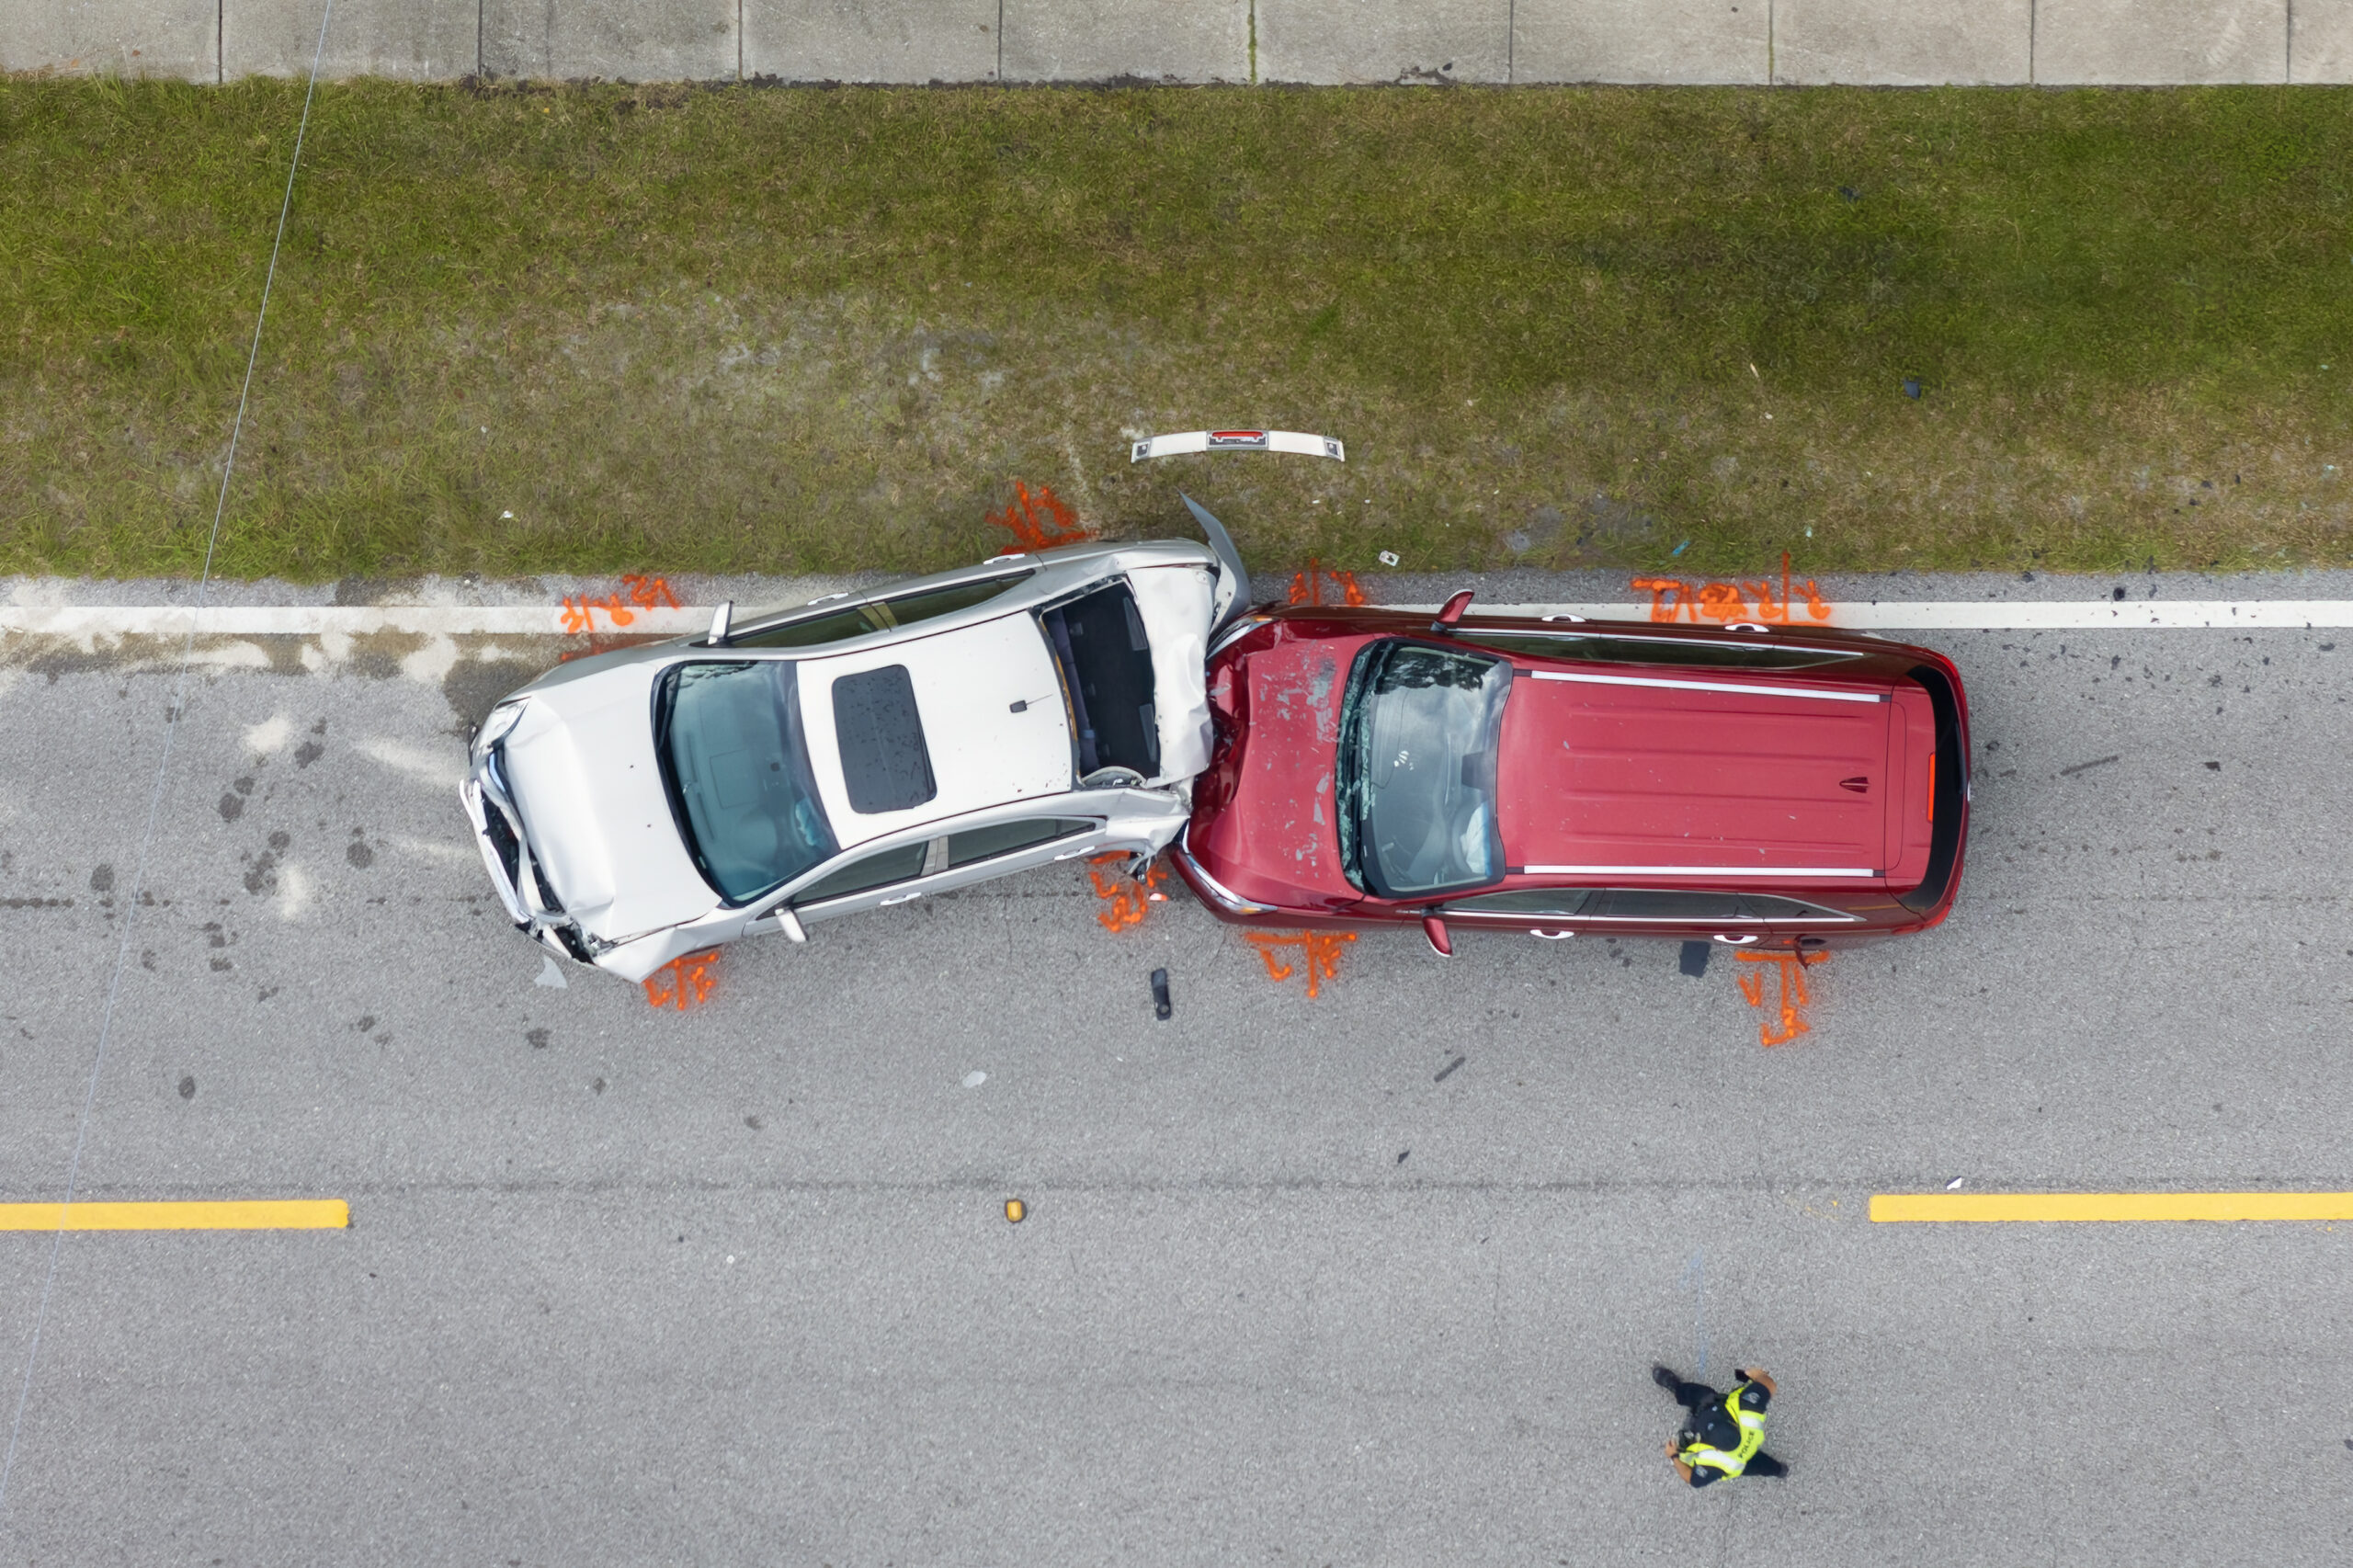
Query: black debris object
[(2119, 592), (1446, 1072), (1401, 1153), (1695, 957), (1850, 193), (1160, 1007), (2213, 767), (2096, 762), (1912, 386)]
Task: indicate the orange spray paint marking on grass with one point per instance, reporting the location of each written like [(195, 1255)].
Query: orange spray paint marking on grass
[(1675, 598), (1319, 950), (688, 984), (1041, 521), (1307, 587), (1793, 1000), (1130, 897)]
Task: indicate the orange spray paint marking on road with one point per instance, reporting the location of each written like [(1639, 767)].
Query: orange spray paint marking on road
[(1307, 587), (1130, 897), (1320, 950), (688, 984), (580, 614), (1675, 598), (650, 593), (1041, 521), (1793, 999)]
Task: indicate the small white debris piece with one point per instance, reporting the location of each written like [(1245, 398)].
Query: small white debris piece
[(1388, 557), (551, 974), (731, 1258), (506, 517), (1954, 1184), (975, 1079)]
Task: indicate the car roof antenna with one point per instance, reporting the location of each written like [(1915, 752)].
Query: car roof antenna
[(1222, 542)]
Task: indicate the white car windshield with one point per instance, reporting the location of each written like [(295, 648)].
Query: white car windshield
[(737, 771)]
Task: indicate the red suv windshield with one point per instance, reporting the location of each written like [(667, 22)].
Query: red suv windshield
[(1419, 729)]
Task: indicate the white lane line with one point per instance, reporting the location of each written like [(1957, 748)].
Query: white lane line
[(348, 621), (553, 621)]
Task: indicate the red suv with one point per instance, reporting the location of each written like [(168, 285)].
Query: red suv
[(1779, 787)]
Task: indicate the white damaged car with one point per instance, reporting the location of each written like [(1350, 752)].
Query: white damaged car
[(859, 751)]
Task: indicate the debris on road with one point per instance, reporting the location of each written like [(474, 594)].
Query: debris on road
[(1161, 1007)]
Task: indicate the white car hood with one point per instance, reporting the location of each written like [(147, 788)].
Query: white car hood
[(581, 767), (1174, 602)]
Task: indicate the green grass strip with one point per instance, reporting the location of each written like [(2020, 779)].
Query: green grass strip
[(800, 330)]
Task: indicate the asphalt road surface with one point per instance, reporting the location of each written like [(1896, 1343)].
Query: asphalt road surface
[(732, 1284)]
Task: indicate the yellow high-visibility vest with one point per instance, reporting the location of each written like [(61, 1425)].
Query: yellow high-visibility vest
[(1752, 1438)]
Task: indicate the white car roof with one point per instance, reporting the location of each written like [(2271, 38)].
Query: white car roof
[(966, 681)]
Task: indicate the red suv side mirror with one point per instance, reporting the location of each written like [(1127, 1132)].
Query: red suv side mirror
[(1434, 929), (1452, 612)]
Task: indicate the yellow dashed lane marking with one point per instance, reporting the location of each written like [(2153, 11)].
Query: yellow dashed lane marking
[(1948, 1206), (247, 1214)]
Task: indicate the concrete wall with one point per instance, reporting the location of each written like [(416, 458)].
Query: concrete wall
[(1797, 42)]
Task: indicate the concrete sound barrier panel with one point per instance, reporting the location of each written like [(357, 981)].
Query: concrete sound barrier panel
[(1149, 40), (2160, 42), (1384, 40), (1705, 42), (851, 41), (1902, 43), (413, 41), (620, 40), (175, 38), (2320, 41)]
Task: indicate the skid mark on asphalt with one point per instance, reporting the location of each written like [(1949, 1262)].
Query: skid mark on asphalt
[(1319, 950), (683, 983), (1789, 1005), (1673, 599)]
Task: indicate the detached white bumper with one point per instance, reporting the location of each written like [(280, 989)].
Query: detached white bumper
[(1292, 441)]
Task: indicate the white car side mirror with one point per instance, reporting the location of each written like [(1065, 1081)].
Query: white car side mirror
[(720, 620), (790, 924)]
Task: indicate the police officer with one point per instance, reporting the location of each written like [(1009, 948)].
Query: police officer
[(1724, 1434)]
